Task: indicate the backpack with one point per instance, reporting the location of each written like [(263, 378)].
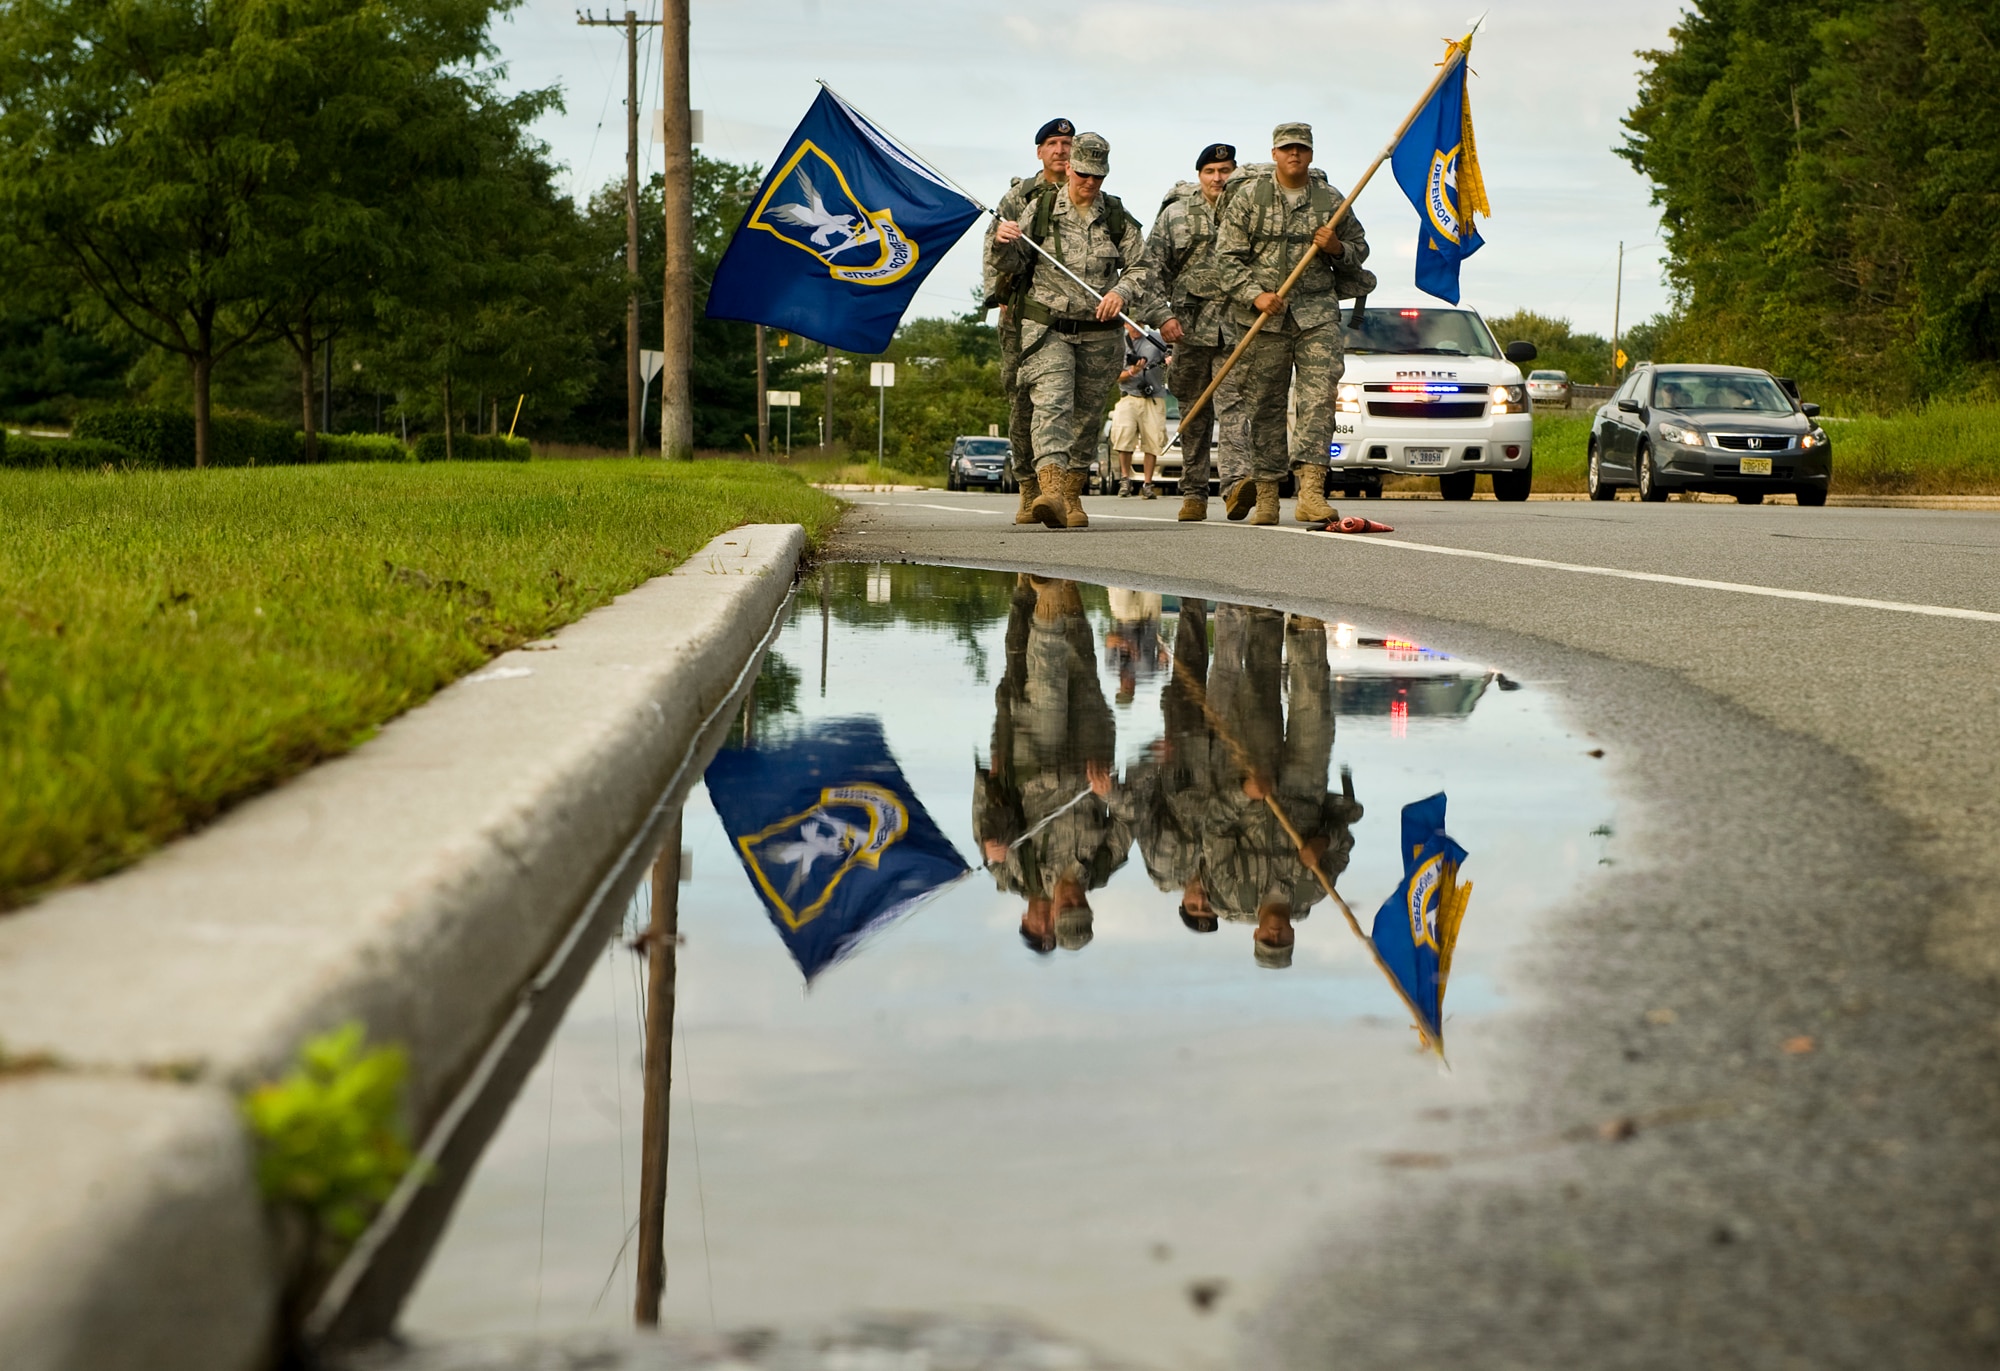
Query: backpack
[(1042, 223), (1259, 180)]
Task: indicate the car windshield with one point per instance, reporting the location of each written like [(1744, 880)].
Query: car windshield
[(1548, 376), (1440, 332), (983, 447), (1735, 393)]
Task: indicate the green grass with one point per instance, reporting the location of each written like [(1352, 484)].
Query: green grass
[(1939, 450), (171, 642), (1562, 441)]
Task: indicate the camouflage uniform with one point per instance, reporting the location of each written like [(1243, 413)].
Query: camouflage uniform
[(1259, 241), (1166, 797), (1180, 256), (1069, 361), (1050, 722), (1248, 856), (1015, 205)]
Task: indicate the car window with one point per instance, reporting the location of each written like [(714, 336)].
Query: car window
[(983, 447), (1548, 376), (1630, 389), (1439, 332), (1727, 392)]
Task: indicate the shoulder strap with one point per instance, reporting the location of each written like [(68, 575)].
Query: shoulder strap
[(1121, 218), (1045, 208)]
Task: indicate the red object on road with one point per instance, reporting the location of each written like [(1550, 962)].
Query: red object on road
[(1353, 524)]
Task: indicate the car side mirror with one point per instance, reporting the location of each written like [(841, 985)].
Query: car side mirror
[(1811, 411), (1629, 406), (1521, 352)]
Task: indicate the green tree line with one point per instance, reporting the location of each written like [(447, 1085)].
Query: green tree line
[(1828, 172)]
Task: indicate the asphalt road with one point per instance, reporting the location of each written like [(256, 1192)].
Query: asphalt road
[(1754, 1107)]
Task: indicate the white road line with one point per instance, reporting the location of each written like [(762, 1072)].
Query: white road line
[(1581, 569)]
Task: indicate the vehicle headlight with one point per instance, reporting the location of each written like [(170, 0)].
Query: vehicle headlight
[(1347, 398), (1508, 399), (1816, 438), (1686, 437)]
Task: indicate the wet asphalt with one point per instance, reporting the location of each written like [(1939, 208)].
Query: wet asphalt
[(1752, 1110)]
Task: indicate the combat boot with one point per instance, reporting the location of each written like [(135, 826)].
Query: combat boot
[(1312, 507), (1050, 482), (1267, 503), (1073, 515), (1031, 490), (1238, 499), (1194, 509)]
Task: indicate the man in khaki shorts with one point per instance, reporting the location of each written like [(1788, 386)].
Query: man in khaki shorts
[(1139, 419)]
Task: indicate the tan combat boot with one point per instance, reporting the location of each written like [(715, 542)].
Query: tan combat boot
[(1073, 515), (1050, 481), (1194, 509), (1267, 503), (1312, 507), (1031, 490), (1238, 499)]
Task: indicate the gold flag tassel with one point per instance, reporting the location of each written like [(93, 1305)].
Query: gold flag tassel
[(1453, 899), (1471, 186)]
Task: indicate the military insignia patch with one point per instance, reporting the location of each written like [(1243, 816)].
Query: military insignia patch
[(810, 206), (800, 860)]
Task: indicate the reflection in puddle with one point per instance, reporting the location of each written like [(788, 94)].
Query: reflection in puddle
[(1115, 1081)]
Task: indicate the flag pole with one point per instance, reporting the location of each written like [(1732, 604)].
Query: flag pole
[(1434, 1042), (984, 208), (1451, 63)]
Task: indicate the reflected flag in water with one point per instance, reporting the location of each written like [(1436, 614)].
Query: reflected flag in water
[(831, 835), (1417, 927)]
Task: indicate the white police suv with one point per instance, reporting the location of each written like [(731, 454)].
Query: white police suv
[(1431, 392)]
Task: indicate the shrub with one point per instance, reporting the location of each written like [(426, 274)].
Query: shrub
[(362, 447), (76, 454), (466, 447), (165, 437)]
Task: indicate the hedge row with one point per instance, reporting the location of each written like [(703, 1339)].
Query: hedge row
[(85, 454), (467, 447)]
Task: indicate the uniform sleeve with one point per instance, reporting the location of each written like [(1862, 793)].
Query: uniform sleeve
[(1235, 256), (1161, 250), (1353, 240), (1135, 283), (1006, 259)]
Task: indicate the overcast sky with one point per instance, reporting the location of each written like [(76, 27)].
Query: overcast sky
[(967, 85)]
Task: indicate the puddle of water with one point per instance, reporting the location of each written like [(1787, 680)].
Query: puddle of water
[(1112, 1122)]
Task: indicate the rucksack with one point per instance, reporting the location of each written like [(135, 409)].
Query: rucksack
[(1259, 180)]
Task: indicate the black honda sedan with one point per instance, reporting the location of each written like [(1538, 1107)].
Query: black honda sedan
[(1726, 430)]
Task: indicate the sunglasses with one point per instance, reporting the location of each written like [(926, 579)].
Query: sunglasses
[(1086, 175)]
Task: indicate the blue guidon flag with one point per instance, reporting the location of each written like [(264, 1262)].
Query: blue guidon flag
[(840, 235), (1437, 164), (831, 835), (1417, 927)]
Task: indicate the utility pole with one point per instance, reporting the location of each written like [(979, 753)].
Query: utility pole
[(677, 297), (1617, 309), (826, 407), (763, 402), (631, 23), (659, 943)]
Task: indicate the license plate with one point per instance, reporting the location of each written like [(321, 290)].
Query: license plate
[(1432, 456), (1756, 466)]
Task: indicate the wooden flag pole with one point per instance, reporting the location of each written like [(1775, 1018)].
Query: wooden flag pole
[(1449, 65)]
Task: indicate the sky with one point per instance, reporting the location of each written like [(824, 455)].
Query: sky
[(966, 85)]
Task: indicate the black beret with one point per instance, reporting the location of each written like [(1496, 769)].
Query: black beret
[(1055, 128), (1215, 152)]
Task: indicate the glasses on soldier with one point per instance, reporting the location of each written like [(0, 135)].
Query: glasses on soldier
[(1086, 175)]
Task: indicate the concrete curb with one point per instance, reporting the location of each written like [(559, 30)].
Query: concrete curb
[(415, 884)]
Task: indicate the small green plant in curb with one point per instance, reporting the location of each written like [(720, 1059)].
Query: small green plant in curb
[(331, 1142)]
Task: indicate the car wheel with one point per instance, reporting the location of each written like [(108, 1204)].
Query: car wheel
[(1373, 492), (1456, 485), (1650, 489), (1812, 497), (1514, 485), (1749, 497), (1593, 480)]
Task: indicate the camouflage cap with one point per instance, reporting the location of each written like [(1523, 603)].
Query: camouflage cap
[(1073, 928), (1270, 957), (1090, 155), (1286, 134)]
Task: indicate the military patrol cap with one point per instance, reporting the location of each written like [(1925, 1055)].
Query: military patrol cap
[(1055, 128), (1286, 134), (1199, 923), (1090, 155), (1270, 957), (1215, 152), (1073, 928)]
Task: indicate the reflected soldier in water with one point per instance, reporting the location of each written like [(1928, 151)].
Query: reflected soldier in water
[(1202, 810), (1043, 808)]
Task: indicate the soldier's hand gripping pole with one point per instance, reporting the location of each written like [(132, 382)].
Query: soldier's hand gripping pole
[(1063, 267), (1446, 68)]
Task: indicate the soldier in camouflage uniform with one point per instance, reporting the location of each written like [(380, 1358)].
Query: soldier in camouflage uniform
[(1166, 797), (1052, 146), (1251, 868), (1044, 810), (1072, 345), (1180, 252), (1267, 222)]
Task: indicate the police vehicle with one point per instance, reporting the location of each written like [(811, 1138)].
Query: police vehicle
[(1429, 391)]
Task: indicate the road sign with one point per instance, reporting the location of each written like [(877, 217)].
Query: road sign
[(786, 398), (881, 373), (1622, 359)]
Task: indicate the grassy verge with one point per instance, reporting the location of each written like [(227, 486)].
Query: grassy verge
[(1941, 450), (172, 642)]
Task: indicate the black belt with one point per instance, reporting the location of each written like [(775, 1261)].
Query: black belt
[(1039, 312)]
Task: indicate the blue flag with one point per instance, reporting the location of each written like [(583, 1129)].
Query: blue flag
[(1417, 927), (1437, 164), (831, 835), (840, 235)]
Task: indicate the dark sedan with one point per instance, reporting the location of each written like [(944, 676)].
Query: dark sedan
[(1725, 430), (977, 464)]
